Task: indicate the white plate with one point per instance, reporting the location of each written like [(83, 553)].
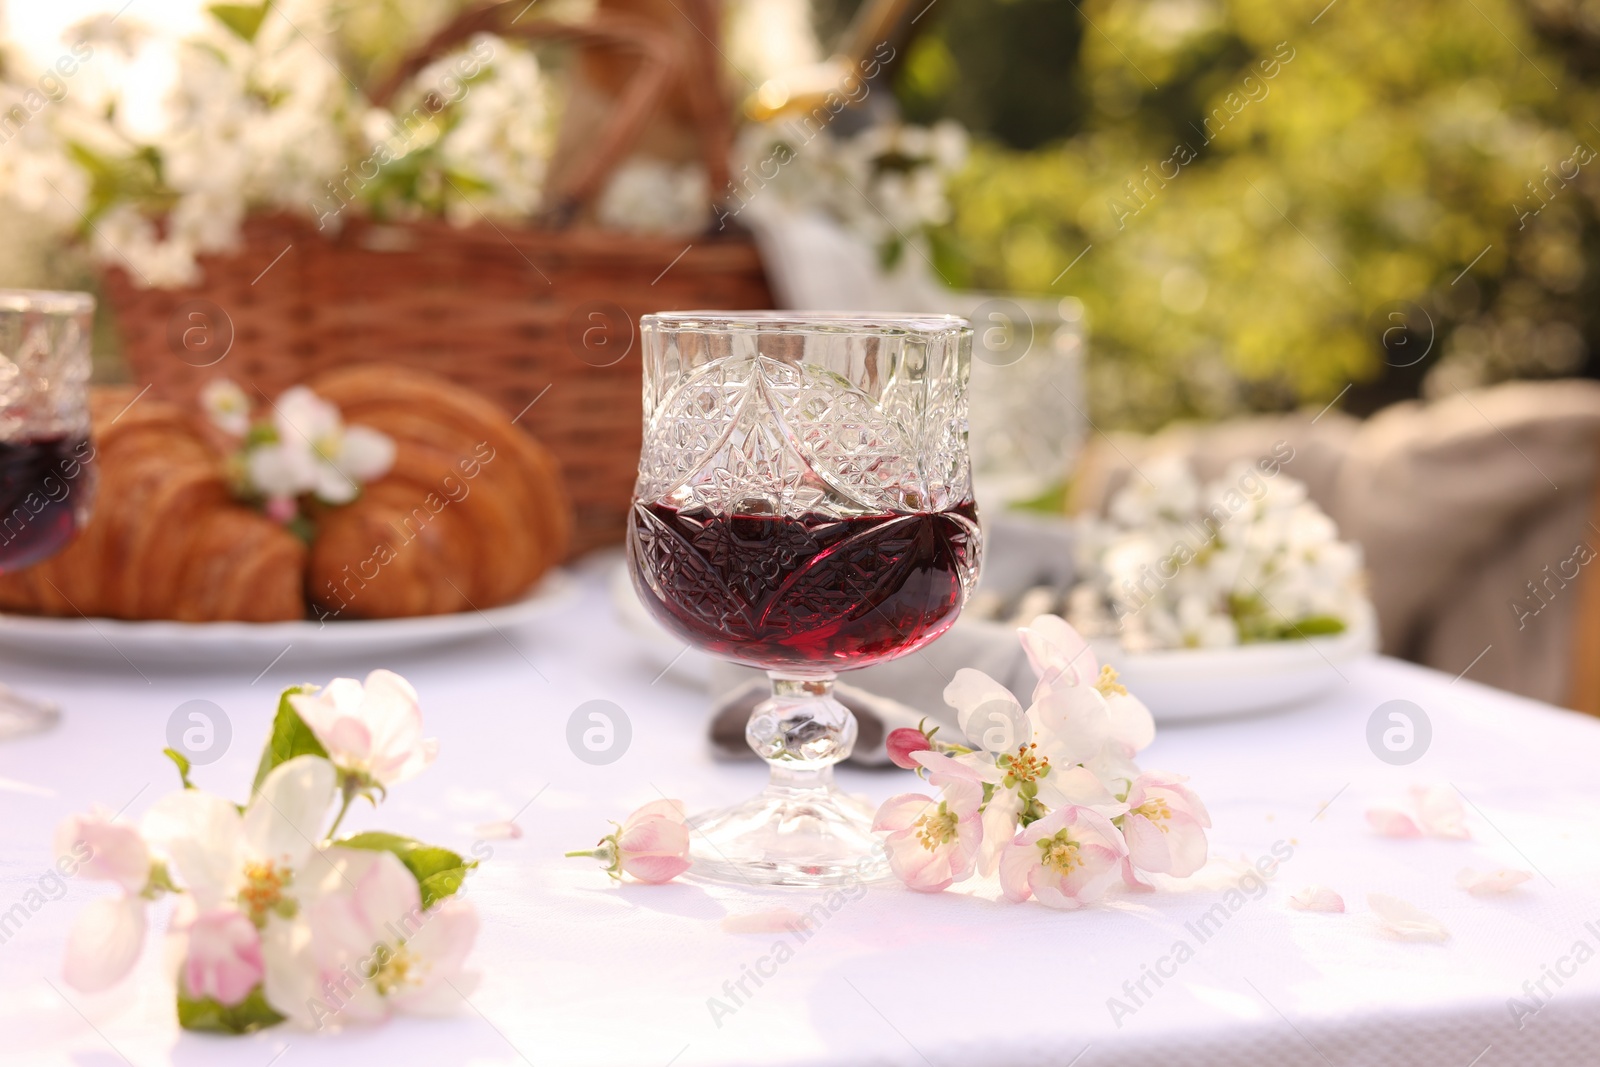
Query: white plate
[(229, 644), (1213, 683)]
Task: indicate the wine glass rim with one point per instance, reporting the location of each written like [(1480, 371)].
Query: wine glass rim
[(844, 321), (59, 301)]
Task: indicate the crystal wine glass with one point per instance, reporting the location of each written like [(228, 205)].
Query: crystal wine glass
[(46, 460), (804, 506)]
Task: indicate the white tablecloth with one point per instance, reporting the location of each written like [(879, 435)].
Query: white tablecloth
[(580, 971)]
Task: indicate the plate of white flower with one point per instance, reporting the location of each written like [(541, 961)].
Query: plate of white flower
[(1227, 598)]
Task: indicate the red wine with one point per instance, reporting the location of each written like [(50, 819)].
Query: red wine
[(808, 592), (45, 487)]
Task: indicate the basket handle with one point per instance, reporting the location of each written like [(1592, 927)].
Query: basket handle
[(659, 60)]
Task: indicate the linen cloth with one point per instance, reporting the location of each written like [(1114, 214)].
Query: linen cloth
[(580, 971)]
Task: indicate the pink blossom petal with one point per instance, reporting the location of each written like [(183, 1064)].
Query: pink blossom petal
[(1016, 861), (1405, 922), (1391, 823), (901, 743), (899, 812), (1491, 883), (1048, 892), (654, 835), (1439, 811), (104, 943), (501, 830), (444, 941), (350, 738), (1131, 880), (772, 921), (1317, 898), (224, 957), (924, 870), (654, 869), (943, 770), (104, 850)]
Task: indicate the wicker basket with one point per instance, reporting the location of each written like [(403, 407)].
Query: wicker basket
[(524, 315)]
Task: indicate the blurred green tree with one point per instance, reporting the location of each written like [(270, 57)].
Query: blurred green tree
[(1243, 191)]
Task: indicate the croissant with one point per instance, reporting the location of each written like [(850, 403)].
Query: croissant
[(472, 513), (164, 539)]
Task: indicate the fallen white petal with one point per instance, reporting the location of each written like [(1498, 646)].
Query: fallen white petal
[(775, 921), (1490, 883), (1405, 922), (1317, 898), (498, 831)]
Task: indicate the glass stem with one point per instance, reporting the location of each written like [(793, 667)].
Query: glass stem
[(802, 730)]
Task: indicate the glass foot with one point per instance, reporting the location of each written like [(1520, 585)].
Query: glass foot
[(811, 835), (21, 716), (799, 830)]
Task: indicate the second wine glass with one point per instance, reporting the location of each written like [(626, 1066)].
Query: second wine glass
[(46, 459)]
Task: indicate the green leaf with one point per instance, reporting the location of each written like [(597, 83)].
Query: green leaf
[(438, 871), (208, 1015), (183, 765), (291, 737), (243, 19)]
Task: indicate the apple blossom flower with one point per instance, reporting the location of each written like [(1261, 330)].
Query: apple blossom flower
[(364, 948), (1012, 785), (1165, 825), (1317, 898), (226, 405), (330, 458), (1405, 922), (114, 851), (1062, 657), (314, 452), (1064, 860), (902, 743), (933, 841), (652, 844), (1491, 883), (255, 861), (372, 730), (222, 958), (108, 935), (1082, 720)]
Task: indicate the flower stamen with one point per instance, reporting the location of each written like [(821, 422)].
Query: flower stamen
[(1108, 684), (936, 829), (400, 968), (1060, 853), (1025, 766), (1157, 811), (263, 892)]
